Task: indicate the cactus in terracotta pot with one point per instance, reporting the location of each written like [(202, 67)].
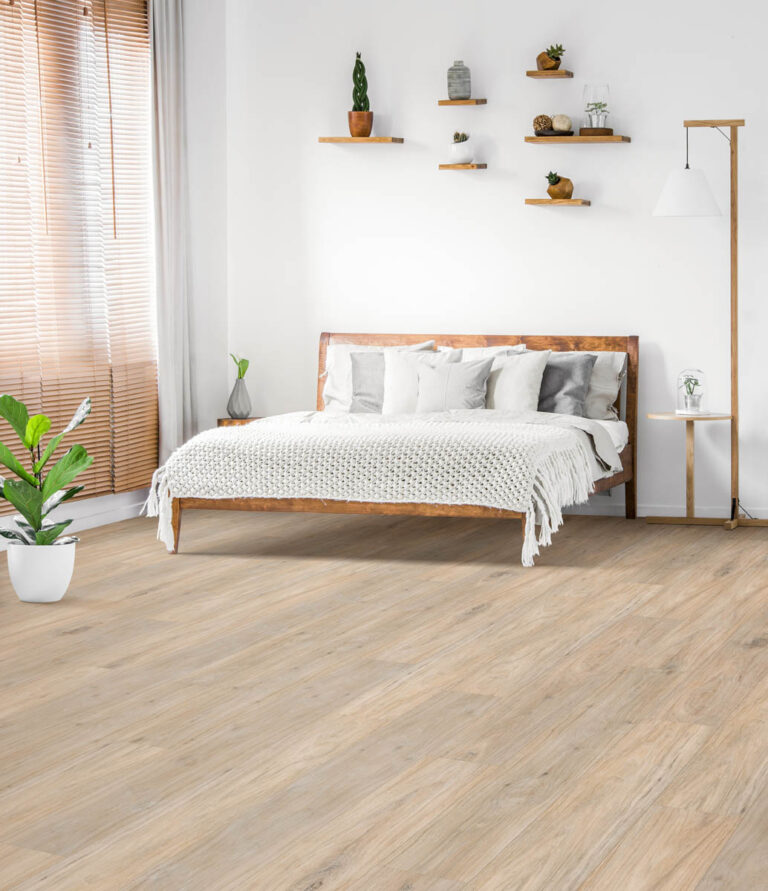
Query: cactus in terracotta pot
[(560, 187), (549, 60), (360, 118)]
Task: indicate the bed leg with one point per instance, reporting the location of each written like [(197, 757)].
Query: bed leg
[(630, 499), (176, 523), (523, 522)]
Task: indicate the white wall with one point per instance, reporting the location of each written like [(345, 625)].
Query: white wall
[(374, 238)]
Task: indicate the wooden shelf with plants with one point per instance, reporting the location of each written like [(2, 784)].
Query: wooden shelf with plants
[(558, 202), (462, 101), (551, 74), (462, 166), (394, 139), (578, 140)]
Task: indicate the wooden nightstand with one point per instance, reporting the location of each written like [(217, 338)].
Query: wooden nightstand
[(690, 517), (234, 422)]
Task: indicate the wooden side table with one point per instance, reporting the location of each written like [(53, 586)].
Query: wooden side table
[(234, 422), (690, 517)]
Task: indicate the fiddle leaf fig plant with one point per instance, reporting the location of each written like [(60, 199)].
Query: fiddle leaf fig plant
[(35, 494)]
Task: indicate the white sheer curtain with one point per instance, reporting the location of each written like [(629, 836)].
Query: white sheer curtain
[(177, 409)]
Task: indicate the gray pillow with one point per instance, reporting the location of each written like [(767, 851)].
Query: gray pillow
[(453, 386), (367, 382), (566, 382)]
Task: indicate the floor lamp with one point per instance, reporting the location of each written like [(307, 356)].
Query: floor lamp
[(687, 194)]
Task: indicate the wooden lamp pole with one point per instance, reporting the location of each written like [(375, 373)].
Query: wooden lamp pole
[(733, 125)]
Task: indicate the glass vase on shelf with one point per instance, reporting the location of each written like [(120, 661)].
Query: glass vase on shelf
[(596, 110), (690, 392)]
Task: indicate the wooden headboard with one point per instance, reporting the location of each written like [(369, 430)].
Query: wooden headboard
[(628, 344)]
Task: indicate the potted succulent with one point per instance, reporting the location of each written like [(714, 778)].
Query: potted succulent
[(549, 60), (239, 404), (461, 150), (560, 187), (40, 561), (360, 118)]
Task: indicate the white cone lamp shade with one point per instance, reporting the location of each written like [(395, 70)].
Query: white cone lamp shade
[(686, 193)]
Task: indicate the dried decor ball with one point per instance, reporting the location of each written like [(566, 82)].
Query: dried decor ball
[(561, 122), (542, 122)]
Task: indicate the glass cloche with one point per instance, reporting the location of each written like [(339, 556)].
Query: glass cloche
[(690, 392)]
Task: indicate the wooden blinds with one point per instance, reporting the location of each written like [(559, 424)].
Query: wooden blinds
[(76, 234)]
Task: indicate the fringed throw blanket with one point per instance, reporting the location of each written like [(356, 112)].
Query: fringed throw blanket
[(532, 463)]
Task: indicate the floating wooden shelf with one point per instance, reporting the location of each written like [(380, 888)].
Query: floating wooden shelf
[(397, 139), (577, 139), (553, 202), (462, 166), (462, 101), (560, 72)]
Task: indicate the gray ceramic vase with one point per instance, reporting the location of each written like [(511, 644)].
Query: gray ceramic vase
[(239, 405), (459, 81)]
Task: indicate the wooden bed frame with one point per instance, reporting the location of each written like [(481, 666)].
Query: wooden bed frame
[(627, 476)]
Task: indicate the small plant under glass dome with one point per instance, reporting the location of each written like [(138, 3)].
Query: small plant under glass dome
[(690, 392)]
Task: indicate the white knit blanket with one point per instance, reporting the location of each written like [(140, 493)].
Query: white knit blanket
[(533, 463)]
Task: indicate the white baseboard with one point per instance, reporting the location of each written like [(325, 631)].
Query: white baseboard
[(99, 511)]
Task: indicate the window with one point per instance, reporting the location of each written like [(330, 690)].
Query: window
[(76, 234)]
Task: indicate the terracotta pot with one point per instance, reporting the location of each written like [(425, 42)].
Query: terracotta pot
[(545, 63), (360, 123), (563, 189)]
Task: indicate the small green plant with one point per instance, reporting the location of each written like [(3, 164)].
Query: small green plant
[(597, 108), (555, 52), (553, 178), (242, 366), (689, 384), (33, 495), (460, 137), (360, 89)]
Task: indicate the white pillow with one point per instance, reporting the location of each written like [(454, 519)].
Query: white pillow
[(337, 392), (515, 381), (401, 378), (473, 353)]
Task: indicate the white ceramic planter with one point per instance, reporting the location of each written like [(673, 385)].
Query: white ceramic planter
[(461, 152), (41, 573)]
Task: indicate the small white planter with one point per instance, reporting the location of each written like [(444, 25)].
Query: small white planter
[(41, 573), (462, 152)]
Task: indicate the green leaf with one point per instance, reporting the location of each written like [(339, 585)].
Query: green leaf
[(9, 460), (15, 413), (37, 427), (49, 450), (242, 367), (48, 536), (58, 497), (83, 410), (27, 499), (14, 536), (74, 462)]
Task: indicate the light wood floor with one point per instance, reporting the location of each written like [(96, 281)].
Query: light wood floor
[(313, 703)]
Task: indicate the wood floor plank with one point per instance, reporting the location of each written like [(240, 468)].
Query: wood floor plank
[(667, 849), (316, 702)]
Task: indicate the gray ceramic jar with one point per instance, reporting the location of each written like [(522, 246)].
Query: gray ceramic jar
[(459, 81)]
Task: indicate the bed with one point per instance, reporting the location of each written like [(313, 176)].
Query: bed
[(316, 462)]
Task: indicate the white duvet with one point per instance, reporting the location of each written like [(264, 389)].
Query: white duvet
[(533, 462)]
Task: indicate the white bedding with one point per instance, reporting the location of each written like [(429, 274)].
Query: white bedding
[(532, 462)]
